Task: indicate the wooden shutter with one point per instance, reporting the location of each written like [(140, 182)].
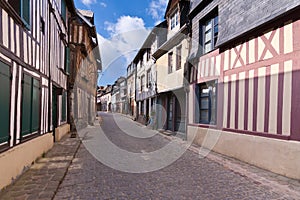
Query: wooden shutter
[(25, 12), (35, 99), (26, 105), (67, 60), (63, 10), (4, 102), (30, 105)]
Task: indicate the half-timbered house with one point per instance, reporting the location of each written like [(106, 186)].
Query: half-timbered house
[(85, 63), (244, 81), (33, 79)]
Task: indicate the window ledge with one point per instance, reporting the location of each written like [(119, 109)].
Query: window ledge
[(212, 126)]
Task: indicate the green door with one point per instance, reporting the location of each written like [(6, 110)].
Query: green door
[(4, 102), (54, 108)]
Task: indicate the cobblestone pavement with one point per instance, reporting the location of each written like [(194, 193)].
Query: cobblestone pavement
[(189, 177), (42, 179)]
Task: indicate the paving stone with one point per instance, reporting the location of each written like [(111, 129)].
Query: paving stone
[(187, 178), (212, 178), (32, 184)]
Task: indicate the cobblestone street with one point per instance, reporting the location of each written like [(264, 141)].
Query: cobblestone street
[(187, 178), (70, 171)]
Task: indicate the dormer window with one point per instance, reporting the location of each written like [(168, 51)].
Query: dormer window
[(174, 21)]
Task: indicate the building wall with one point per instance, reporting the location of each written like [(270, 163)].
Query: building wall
[(35, 50), (257, 96), (169, 81)]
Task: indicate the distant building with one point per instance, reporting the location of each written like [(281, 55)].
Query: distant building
[(131, 89), (118, 96), (104, 98), (146, 77)]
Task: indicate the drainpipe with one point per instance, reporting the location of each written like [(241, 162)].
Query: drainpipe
[(49, 63)]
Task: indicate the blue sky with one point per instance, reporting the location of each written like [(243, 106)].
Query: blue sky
[(122, 27)]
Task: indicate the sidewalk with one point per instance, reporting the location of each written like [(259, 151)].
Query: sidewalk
[(43, 178)]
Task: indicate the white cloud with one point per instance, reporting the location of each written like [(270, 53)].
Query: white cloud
[(126, 37), (103, 4), (157, 10), (88, 2)]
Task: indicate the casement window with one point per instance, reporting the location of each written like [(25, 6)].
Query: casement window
[(67, 60), (4, 103), (142, 82), (148, 54), (30, 105), (22, 8), (64, 107), (209, 32), (63, 10), (174, 20), (178, 57), (207, 97), (149, 78), (170, 62)]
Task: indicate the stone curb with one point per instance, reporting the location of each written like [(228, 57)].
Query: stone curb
[(43, 178)]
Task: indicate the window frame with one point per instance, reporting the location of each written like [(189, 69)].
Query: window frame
[(178, 57), (20, 12), (210, 96), (170, 62), (149, 78), (174, 19), (212, 21)]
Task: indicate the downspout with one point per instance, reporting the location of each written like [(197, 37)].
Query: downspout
[(49, 63)]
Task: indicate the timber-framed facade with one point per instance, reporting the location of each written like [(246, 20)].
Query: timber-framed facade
[(34, 73), (244, 81)]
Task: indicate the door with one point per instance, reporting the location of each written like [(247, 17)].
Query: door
[(170, 113), (54, 108), (89, 111)]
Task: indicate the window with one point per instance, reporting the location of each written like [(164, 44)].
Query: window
[(178, 57), (4, 102), (207, 102), (174, 20), (63, 10), (170, 62), (42, 25), (22, 7), (149, 78), (142, 82), (209, 33), (64, 107), (141, 62), (148, 54), (30, 105)]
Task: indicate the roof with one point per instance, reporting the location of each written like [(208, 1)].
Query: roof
[(83, 17), (86, 13)]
